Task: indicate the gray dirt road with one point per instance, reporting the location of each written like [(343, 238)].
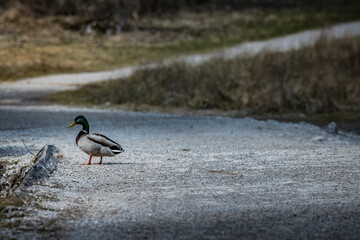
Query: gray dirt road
[(186, 177)]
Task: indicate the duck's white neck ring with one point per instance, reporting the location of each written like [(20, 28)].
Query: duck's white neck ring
[(84, 131)]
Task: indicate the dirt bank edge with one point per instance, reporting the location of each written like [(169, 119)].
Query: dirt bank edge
[(44, 164)]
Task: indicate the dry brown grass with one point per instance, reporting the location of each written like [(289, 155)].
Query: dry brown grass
[(319, 79), (33, 46), (12, 200)]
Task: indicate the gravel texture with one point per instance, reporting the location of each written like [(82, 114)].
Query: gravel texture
[(185, 177)]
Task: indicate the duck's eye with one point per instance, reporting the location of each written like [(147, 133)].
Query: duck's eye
[(79, 120)]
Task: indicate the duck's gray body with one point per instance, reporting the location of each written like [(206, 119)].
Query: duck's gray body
[(97, 145), (94, 144)]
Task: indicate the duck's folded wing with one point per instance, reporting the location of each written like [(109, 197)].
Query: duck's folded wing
[(103, 140)]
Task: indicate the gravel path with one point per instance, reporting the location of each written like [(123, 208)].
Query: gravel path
[(23, 90), (186, 177)]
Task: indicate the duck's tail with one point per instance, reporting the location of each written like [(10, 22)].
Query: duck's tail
[(116, 149)]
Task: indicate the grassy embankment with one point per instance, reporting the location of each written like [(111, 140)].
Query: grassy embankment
[(322, 79), (32, 47)]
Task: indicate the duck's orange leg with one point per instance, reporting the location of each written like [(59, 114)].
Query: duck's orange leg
[(89, 163), (99, 162)]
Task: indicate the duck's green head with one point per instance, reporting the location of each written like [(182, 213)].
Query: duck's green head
[(82, 121)]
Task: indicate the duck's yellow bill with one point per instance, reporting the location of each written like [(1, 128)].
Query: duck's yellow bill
[(72, 124)]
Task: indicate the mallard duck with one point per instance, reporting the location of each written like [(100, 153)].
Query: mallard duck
[(94, 144)]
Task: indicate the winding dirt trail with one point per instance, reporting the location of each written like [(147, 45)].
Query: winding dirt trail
[(22, 90), (182, 177)]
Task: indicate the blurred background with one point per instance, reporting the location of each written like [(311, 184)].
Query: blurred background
[(320, 82)]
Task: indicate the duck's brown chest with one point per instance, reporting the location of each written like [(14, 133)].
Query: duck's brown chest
[(80, 134)]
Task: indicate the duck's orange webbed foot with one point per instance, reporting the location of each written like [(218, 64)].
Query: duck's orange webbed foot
[(99, 162), (89, 163)]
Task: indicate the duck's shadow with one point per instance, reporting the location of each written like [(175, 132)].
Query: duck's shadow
[(119, 163)]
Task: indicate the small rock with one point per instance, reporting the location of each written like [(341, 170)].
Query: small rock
[(45, 163), (332, 128), (318, 139)]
